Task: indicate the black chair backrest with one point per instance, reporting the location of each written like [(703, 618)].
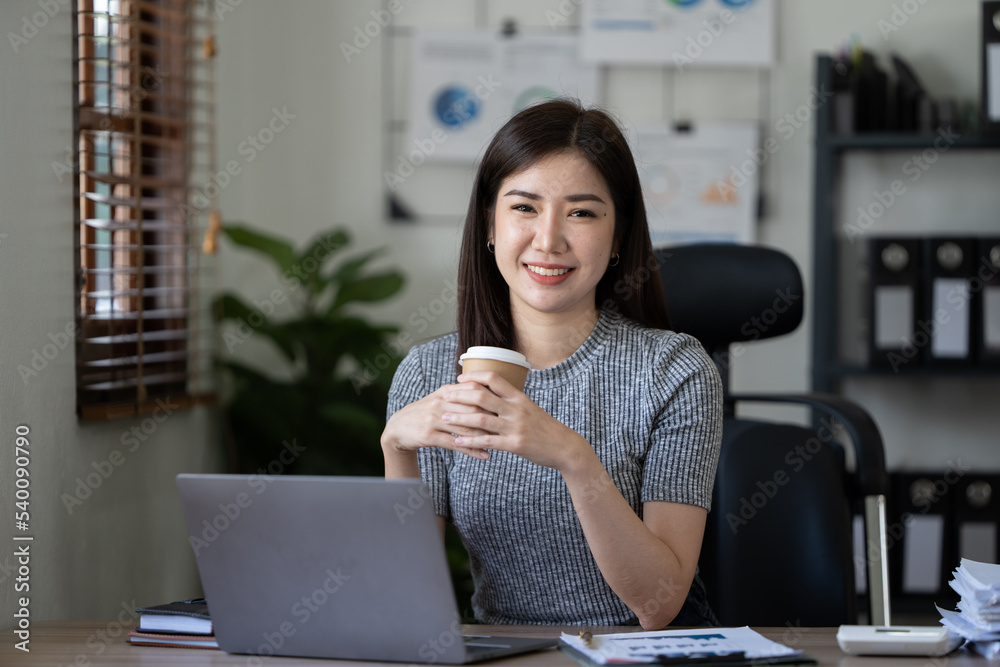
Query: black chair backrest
[(778, 542), (723, 294)]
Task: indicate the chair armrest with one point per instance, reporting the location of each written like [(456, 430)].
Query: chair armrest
[(869, 452)]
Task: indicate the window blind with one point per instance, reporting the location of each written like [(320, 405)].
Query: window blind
[(145, 143)]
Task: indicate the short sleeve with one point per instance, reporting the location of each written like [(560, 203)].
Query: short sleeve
[(687, 431), (408, 385)]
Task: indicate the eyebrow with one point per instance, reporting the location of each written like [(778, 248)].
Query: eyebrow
[(570, 198)]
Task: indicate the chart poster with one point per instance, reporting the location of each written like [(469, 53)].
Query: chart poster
[(466, 84), (682, 33), (700, 184)]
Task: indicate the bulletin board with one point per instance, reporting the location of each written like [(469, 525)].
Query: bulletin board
[(432, 141)]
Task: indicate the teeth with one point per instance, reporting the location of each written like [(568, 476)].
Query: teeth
[(547, 272)]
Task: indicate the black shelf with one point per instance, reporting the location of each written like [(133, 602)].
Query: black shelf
[(827, 371), (882, 141), (841, 371)]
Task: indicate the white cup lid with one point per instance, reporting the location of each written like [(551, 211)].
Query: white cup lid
[(496, 354)]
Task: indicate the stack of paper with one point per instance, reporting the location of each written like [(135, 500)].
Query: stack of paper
[(978, 615)]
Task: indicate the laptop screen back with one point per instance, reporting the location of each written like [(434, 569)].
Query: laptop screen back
[(332, 567)]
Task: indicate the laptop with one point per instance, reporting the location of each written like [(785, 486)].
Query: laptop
[(329, 567)]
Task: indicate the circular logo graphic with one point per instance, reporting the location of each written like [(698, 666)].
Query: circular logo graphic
[(661, 184), (684, 3), (737, 4), (455, 106)]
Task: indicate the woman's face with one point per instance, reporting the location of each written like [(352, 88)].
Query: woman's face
[(554, 226)]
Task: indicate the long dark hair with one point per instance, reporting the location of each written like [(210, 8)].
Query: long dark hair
[(632, 287)]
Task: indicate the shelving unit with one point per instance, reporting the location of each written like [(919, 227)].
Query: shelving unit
[(832, 362), (828, 368)]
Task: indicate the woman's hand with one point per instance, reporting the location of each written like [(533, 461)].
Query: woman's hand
[(498, 416), (421, 424)]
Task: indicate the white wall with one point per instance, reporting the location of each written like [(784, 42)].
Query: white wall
[(127, 541), (125, 544), (326, 167)]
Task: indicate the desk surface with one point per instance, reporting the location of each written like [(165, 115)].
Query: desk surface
[(92, 644)]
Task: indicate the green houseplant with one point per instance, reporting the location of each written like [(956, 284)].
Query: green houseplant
[(323, 411)]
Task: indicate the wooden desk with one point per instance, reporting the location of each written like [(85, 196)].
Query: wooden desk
[(88, 644)]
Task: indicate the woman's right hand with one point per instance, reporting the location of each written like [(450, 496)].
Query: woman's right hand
[(420, 424)]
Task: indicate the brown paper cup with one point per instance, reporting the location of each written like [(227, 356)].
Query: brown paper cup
[(485, 359), (512, 373)]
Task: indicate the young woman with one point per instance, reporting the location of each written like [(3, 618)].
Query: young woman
[(583, 499)]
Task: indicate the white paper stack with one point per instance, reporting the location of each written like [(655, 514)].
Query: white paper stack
[(978, 615)]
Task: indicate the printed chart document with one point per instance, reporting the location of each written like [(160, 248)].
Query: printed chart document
[(680, 33), (700, 184), (647, 647), (465, 84)]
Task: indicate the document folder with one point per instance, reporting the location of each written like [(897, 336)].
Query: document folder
[(991, 67), (986, 284), (947, 313), (920, 552), (977, 517), (894, 270)]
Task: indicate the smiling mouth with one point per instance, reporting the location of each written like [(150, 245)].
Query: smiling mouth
[(547, 272)]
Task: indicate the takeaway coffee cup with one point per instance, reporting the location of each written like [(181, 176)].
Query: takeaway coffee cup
[(508, 364)]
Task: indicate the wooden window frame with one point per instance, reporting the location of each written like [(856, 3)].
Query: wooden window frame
[(144, 133)]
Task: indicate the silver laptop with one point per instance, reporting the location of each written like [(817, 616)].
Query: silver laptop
[(329, 567)]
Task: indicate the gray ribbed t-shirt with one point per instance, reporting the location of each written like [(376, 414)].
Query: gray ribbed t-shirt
[(648, 401)]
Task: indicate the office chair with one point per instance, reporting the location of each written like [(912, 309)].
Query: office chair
[(778, 547)]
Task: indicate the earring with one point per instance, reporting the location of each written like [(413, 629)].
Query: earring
[(490, 247), (615, 258)]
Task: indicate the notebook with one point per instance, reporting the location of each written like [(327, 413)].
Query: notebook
[(329, 567)]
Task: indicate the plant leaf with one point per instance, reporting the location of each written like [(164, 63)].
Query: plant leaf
[(231, 307), (228, 306), (320, 250), (351, 267), (280, 251), (371, 288)]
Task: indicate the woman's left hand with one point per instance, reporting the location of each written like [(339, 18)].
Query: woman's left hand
[(514, 423)]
